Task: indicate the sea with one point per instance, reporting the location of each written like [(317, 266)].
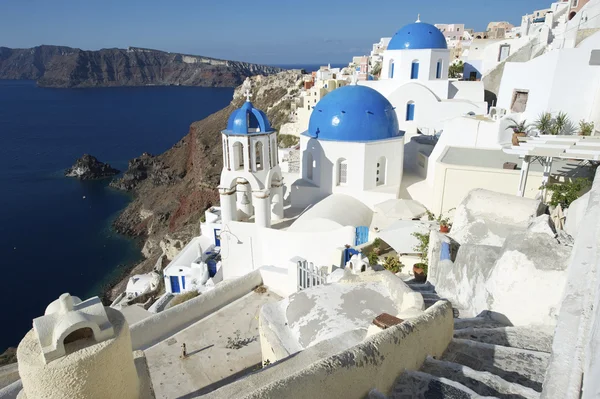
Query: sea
[(55, 232)]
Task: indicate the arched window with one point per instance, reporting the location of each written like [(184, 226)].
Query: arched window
[(381, 165), (238, 156), (391, 71), (410, 111), (438, 70), (342, 171), (572, 14), (310, 165), (273, 152), (259, 156), (414, 70), (225, 155)]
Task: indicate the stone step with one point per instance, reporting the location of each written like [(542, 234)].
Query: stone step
[(519, 366), (420, 287), (481, 382), (419, 385), (476, 322), (531, 338)]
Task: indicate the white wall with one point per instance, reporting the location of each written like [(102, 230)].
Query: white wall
[(361, 158), (561, 80), (246, 247)]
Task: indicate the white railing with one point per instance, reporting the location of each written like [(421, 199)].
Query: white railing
[(310, 275)]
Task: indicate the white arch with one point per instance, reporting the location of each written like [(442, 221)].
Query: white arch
[(238, 155), (259, 156)]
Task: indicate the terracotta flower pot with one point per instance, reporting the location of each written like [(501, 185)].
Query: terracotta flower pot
[(444, 228), (419, 273)]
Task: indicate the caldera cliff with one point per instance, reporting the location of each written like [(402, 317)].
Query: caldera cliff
[(59, 66), (172, 190)]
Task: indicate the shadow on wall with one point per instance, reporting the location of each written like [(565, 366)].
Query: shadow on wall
[(322, 168), (491, 98)]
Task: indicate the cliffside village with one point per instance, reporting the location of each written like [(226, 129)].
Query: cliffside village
[(424, 226)]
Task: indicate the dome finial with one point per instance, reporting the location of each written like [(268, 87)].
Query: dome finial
[(418, 18), (247, 88)]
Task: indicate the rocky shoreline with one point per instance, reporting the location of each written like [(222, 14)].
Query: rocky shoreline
[(89, 167), (172, 190)]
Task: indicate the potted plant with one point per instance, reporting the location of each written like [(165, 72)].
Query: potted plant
[(422, 248), (520, 129), (444, 225)]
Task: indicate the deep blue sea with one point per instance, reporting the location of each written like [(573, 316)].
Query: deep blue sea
[(55, 233)]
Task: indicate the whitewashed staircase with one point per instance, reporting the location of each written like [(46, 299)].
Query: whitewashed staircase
[(485, 359)]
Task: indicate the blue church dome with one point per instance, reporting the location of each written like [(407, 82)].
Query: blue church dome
[(353, 113), (417, 36), (248, 120)]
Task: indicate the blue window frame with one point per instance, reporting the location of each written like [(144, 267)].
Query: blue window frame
[(410, 111), (414, 70), (183, 282), (392, 70), (438, 72), (174, 284)]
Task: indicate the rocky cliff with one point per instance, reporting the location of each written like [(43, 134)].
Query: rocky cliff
[(172, 190), (57, 66)]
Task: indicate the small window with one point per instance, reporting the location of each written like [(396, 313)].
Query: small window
[(309, 166), (438, 70), (519, 100), (410, 111), (391, 74), (342, 172), (259, 156), (414, 70), (504, 52), (238, 156), (380, 178)]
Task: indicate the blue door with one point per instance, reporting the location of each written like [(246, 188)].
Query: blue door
[(410, 112), (414, 71), (175, 284), (362, 235), (183, 282), (217, 237), (212, 267), (348, 253)]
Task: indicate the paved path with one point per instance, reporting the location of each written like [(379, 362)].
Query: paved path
[(210, 364)]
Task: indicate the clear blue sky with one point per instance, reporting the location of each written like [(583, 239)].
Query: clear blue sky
[(272, 32)]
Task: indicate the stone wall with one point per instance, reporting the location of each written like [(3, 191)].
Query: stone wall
[(374, 363), (575, 363), (156, 328)]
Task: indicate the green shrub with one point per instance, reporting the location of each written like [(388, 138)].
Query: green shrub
[(422, 248), (393, 264), (181, 298), (586, 128), (373, 258), (567, 192), (287, 140)]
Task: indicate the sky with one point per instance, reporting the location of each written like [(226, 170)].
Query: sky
[(270, 32)]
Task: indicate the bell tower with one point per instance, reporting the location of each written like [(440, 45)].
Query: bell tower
[(251, 183)]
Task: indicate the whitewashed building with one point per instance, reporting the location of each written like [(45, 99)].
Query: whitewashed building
[(414, 78)]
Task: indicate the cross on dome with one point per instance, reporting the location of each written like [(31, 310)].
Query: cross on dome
[(247, 87), (418, 18)]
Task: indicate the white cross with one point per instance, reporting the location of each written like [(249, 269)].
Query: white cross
[(248, 95), (418, 18)]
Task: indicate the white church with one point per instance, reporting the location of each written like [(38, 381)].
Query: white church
[(414, 78)]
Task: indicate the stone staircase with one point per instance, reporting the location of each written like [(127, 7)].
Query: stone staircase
[(484, 359)]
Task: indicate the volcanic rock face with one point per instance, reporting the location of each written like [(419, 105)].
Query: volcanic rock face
[(88, 168), (55, 66), (146, 167)]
